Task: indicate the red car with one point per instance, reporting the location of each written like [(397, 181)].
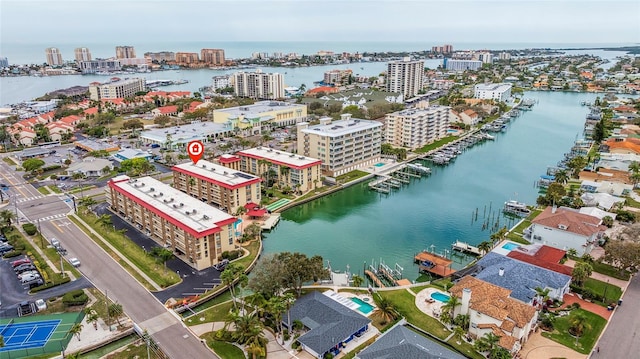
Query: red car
[(20, 261)]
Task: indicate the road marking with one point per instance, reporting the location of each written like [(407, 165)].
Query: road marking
[(21, 200), (57, 227), (158, 323)]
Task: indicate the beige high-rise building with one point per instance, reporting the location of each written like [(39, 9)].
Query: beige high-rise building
[(212, 56), (259, 85), (405, 76), (160, 56), (343, 145), (54, 57), (415, 127), (118, 89), (187, 58), (125, 52), (82, 54)]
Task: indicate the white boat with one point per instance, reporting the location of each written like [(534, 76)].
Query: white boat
[(516, 208), (419, 167)]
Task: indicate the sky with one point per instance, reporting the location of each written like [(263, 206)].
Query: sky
[(469, 21)]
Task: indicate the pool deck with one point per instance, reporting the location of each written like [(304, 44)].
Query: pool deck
[(498, 249), (428, 305)]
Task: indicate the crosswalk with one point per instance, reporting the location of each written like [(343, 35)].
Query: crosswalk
[(57, 216), (29, 199)]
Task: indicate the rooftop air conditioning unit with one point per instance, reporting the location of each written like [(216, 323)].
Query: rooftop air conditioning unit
[(194, 211), (204, 216), (151, 189), (181, 204), (187, 213)]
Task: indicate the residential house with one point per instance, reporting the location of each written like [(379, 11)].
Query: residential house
[(328, 323), (165, 110), (131, 153), (469, 117), (624, 145), (542, 256), (91, 167), (403, 342), (491, 309), (59, 131)]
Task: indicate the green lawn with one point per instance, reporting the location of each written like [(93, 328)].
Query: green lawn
[(253, 248), (223, 349), (417, 289), (217, 313), (224, 297), (613, 292), (405, 303), (351, 176), (439, 143), (465, 348), (584, 344), (44, 190), (314, 193), (9, 161), (605, 269), (54, 257)]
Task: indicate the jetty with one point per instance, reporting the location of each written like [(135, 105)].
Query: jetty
[(466, 248), (398, 177), (434, 264), (374, 278)]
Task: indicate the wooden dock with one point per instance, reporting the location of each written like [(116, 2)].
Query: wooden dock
[(374, 278), (466, 248), (434, 264)]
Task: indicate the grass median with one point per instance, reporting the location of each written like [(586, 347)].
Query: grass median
[(139, 257)]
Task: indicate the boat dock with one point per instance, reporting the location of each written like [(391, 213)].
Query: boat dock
[(270, 222), (374, 278), (399, 177), (434, 264), (466, 248)]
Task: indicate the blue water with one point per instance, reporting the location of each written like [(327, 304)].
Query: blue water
[(440, 297), (357, 225), (379, 164), (365, 307), (510, 246)]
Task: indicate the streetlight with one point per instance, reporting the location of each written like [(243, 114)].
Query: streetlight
[(604, 296)]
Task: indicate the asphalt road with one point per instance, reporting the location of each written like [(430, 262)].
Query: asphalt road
[(621, 339)]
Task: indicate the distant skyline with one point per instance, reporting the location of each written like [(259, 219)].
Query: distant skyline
[(122, 22)]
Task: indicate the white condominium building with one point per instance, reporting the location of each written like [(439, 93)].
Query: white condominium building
[(343, 145), (259, 85), (117, 89), (415, 127), (499, 92), (462, 65), (405, 76)]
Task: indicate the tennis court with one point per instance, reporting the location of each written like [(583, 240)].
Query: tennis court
[(27, 336)]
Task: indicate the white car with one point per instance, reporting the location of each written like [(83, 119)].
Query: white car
[(41, 304), (74, 262), (28, 273)]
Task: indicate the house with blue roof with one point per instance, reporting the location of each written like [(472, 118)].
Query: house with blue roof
[(520, 277)]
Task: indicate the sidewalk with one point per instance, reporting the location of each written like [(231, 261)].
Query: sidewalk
[(602, 277), (41, 252), (142, 274)]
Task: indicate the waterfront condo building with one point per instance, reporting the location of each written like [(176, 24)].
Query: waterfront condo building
[(82, 54), (195, 231), (416, 127), (187, 58), (343, 145), (220, 82), (4, 62), (125, 52), (500, 92), (405, 76), (462, 65), (162, 56), (217, 185), (261, 116), (258, 85), (213, 57), (54, 57), (337, 77), (99, 65), (284, 169), (117, 89)]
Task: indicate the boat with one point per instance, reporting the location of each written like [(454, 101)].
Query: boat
[(516, 208)]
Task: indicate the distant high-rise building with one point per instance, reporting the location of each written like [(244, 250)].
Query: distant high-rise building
[(99, 65), (187, 58), (4, 62), (405, 76), (54, 57), (261, 85), (212, 56), (162, 56), (462, 65), (220, 82), (504, 56), (416, 127), (444, 49), (125, 52), (485, 57), (82, 54)]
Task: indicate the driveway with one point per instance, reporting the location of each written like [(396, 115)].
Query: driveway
[(539, 347), (193, 282)]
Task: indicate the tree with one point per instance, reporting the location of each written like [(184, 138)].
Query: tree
[(576, 165), (265, 276), (92, 318), (450, 305), (105, 221), (485, 246), (132, 124), (163, 255), (622, 254), (7, 216), (162, 120), (104, 118), (578, 324), (572, 252), (561, 177), (276, 308), (555, 192), (355, 111), (136, 166), (1, 341), (32, 164), (488, 342), (115, 312), (231, 275), (298, 269), (357, 280), (607, 221), (581, 272), (385, 310), (76, 329), (499, 235)]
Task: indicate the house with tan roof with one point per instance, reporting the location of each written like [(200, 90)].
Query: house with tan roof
[(58, 130), (469, 117), (165, 110), (624, 145), (565, 229), (492, 310)]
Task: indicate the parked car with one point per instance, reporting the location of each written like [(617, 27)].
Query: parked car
[(20, 262), (220, 266), (29, 273), (41, 305), (4, 248), (24, 267), (34, 283), (55, 243), (25, 308), (28, 278), (74, 262), (155, 145)]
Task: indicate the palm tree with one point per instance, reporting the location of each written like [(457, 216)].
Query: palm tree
[(76, 329), (485, 246), (581, 272), (578, 324), (499, 235), (357, 280), (487, 343), (634, 167), (105, 221), (561, 177), (450, 305), (92, 318), (231, 275), (572, 252), (276, 308), (115, 311), (385, 309), (7, 216), (163, 254)]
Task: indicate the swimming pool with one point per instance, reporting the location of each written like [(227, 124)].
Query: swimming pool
[(440, 297), (452, 131), (365, 308), (510, 246), (379, 164)]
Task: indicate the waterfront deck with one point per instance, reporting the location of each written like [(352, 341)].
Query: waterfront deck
[(437, 265), (466, 248), (271, 222), (374, 278)]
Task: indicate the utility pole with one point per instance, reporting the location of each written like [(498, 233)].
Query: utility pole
[(106, 303)]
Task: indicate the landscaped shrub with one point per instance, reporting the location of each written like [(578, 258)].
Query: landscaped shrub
[(231, 255), (51, 284), (75, 297), (30, 228), (51, 168), (12, 254)]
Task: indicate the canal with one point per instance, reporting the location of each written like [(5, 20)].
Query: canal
[(358, 225)]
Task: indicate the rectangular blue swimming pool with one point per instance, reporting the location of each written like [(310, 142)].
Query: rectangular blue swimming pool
[(365, 308), (510, 246)]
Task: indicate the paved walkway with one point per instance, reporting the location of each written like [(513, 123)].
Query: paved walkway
[(539, 347), (570, 298), (426, 304), (602, 277)]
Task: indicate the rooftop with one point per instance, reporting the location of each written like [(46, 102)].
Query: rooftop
[(180, 209), (218, 174), (542, 256), (259, 108), (403, 342), (280, 157), (342, 127), (493, 87), (568, 220), (185, 133)]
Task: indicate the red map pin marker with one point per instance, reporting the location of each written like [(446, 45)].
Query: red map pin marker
[(195, 149)]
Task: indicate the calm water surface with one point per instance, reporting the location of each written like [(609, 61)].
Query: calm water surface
[(359, 225)]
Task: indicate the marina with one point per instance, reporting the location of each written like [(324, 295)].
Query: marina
[(399, 177), (516, 208), (466, 248)]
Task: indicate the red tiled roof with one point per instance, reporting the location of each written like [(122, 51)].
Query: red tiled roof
[(168, 109), (545, 257), (73, 119), (327, 89), (632, 144), (192, 106), (91, 111), (470, 113), (575, 222)]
